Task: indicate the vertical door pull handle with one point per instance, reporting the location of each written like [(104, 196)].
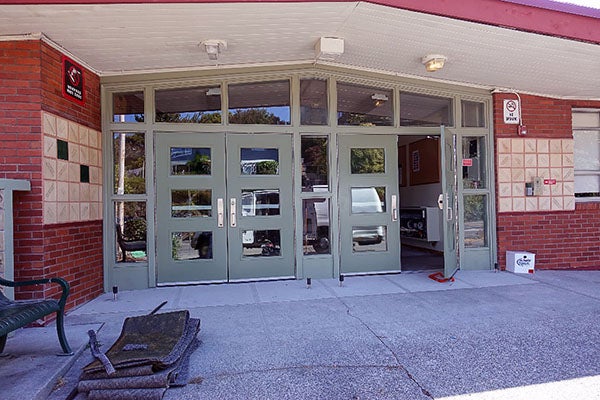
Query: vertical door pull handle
[(394, 207), (220, 211), (232, 212)]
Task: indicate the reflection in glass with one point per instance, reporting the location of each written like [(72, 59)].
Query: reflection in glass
[(473, 162), (368, 200), (129, 155), (186, 203), (313, 102), (261, 243), (369, 238), (260, 103), (256, 161), (473, 114), (190, 161), (315, 214), (128, 107), (315, 168), (364, 105), (367, 161), (423, 110), (130, 231), (260, 202), (189, 105), (475, 221), (191, 245)]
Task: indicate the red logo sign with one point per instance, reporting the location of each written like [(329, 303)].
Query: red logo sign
[(72, 80), (467, 162), (549, 181)]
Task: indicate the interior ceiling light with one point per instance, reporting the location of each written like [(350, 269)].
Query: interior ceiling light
[(329, 48), (379, 98), (434, 62), (214, 47)]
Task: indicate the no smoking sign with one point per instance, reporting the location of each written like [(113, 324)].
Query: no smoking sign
[(511, 111)]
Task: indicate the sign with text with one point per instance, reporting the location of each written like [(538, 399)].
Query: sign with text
[(467, 162), (72, 80), (511, 112), (549, 181)]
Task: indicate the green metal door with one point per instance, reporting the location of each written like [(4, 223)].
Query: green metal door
[(449, 201), (223, 207), (368, 200)]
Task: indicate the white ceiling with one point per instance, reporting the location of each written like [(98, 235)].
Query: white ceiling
[(129, 38)]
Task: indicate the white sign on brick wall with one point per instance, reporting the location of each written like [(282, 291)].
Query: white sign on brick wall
[(511, 111)]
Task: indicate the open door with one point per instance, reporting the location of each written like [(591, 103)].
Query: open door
[(449, 201)]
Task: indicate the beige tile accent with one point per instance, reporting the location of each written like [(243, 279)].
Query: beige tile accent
[(84, 157), (62, 191), (568, 174), (94, 207), (50, 147), (73, 152), (543, 160), (531, 161), (84, 192), (74, 212), (518, 189), (556, 173), (530, 173), (557, 203), (543, 146), (62, 170), (567, 160), (518, 204), (49, 169), (503, 146), (93, 157), (568, 146), (85, 211), (568, 189), (504, 189), (530, 146), (95, 176), (62, 128), (100, 211), (73, 132), (49, 124), (50, 214), (504, 160), (517, 145), (569, 203), (504, 174), (95, 193), (74, 172), (63, 213), (518, 175), (505, 204), (531, 204), (556, 160), (49, 190), (518, 161), (555, 146), (73, 191), (544, 173), (544, 203), (84, 135), (556, 190)]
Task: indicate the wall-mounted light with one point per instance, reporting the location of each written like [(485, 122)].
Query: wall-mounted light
[(213, 48), (379, 99), (329, 48), (434, 62)]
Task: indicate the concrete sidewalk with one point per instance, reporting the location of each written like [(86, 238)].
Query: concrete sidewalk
[(485, 336)]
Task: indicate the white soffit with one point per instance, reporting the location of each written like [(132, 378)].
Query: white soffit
[(131, 38)]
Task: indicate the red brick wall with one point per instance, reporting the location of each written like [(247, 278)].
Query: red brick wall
[(560, 239), (30, 81)]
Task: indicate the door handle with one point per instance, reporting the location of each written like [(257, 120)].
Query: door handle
[(441, 201), (394, 207), (448, 208), (220, 212), (232, 213)]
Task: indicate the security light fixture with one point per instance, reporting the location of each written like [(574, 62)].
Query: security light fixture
[(329, 48), (213, 48), (434, 62)]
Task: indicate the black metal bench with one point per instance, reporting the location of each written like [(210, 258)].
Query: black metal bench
[(17, 314)]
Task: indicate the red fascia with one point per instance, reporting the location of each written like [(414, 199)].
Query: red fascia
[(538, 16)]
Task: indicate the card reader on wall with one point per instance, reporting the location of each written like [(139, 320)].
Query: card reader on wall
[(535, 187)]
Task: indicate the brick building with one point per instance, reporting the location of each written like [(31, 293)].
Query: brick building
[(160, 143)]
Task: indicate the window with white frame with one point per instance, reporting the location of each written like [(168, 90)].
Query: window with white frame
[(586, 134)]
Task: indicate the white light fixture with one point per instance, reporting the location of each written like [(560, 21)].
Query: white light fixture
[(379, 99), (434, 62), (214, 47), (329, 48)]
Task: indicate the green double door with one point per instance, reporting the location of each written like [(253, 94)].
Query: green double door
[(223, 207)]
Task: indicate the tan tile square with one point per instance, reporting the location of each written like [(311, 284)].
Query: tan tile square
[(556, 173), (63, 213), (518, 160), (49, 168), (73, 153), (530, 173), (49, 124), (568, 146), (556, 190), (569, 189), (567, 160), (95, 193), (95, 176), (518, 189), (544, 203), (518, 175), (569, 203), (92, 136), (556, 204), (85, 211), (73, 191), (543, 160), (543, 146), (505, 189), (50, 147), (504, 160), (50, 213), (518, 204), (93, 157), (517, 145), (62, 191), (530, 146), (84, 157), (73, 133), (505, 204), (94, 211), (555, 146), (100, 211), (49, 191), (544, 173), (555, 160), (74, 212), (504, 174), (62, 170), (84, 192), (568, 174), (531, 161), (531, 204), (504, 146), (62, 129), (84, 136), (74, 172)]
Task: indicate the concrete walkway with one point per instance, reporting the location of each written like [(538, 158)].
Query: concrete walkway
[(485, 336)]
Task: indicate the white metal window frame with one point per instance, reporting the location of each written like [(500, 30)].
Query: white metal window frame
[(586, 129)]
